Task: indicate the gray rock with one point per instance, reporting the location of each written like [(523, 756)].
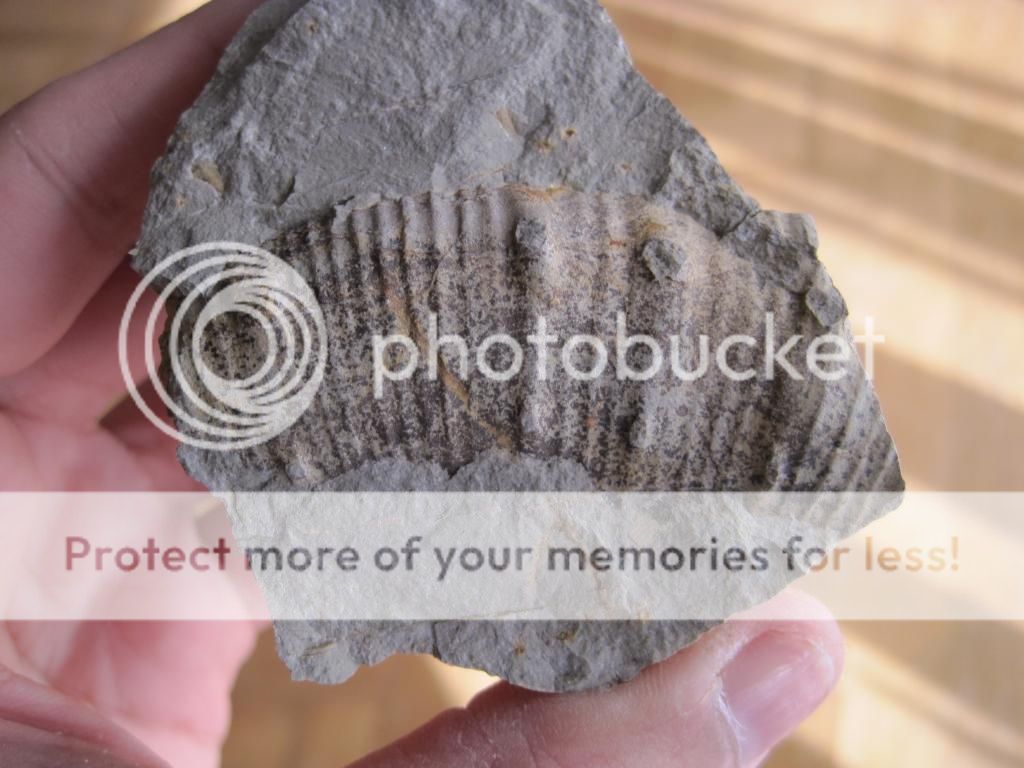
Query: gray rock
[(323, 100), (330, 129)]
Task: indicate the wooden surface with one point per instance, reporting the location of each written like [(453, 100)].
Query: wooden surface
[(900, 126)]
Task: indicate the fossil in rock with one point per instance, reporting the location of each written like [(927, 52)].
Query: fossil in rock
[(562, 186)]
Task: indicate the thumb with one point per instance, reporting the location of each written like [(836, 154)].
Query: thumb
[(722, 702)]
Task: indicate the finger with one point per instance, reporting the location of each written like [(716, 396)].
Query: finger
[(723, 702), (75, 160), (39, 726), (80, 379), (155, 451), (125, 452), (169, 688), (42, 456)]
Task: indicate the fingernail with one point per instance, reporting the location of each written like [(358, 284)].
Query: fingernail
[(771, 685)]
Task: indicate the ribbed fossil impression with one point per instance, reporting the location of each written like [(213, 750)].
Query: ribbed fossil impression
[(511, 263)]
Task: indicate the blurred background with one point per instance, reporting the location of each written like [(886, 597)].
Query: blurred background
[(899, 124)]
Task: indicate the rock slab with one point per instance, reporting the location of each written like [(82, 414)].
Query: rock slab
[(323, 108)]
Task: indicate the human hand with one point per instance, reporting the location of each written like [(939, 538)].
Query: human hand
[(74, 164)]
